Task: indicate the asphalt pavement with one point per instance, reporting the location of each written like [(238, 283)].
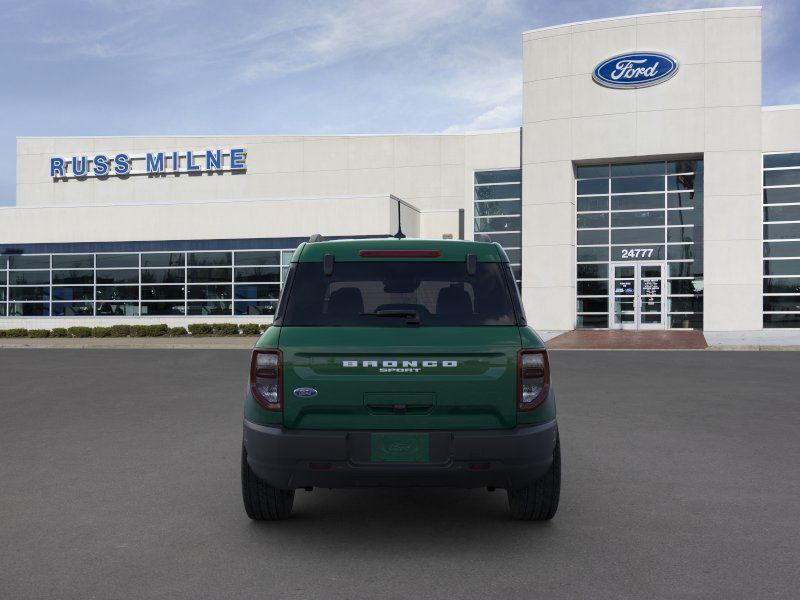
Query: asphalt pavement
[(119, 478)]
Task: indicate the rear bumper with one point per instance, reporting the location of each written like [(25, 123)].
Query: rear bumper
[(504, 458)]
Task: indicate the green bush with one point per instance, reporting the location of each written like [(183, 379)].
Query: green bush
[(16, 332), (80, 332), (59, 332), (177, 331), (225, 329), (38, 333), (157, 330), (201, 329), (2, 333), (263, 327), (120, 330), (250, 329), (101, 332)]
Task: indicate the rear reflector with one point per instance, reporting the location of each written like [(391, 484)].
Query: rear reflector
[(399, 253)]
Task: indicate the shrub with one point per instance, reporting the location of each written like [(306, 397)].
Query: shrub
[(250, 329), (2, 333), (177, 331), (80, 332), (263, 327), (225, 329), (157, 330), (120, 330), (59, 332), (201, 329), (38, 333), (101, 332), (16, 332)]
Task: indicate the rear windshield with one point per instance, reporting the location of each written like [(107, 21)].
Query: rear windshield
[(399, 294)]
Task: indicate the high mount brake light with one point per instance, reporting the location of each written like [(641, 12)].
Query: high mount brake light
[(533, 378), (399, 253), (265, 378)]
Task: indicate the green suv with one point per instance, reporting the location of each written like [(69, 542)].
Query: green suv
[(397, 362)]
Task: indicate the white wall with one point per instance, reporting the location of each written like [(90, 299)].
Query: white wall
[(711, 107)]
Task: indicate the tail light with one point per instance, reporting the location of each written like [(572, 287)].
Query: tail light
[(265, 378), (534, 378)]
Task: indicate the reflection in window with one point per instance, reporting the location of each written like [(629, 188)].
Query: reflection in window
[(498, 206)]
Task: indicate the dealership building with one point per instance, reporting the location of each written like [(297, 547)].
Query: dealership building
[(646, 188)]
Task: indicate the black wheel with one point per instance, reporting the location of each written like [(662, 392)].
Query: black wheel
[(262, 502), (539, 500)]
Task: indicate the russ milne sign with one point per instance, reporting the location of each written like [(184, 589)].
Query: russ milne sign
[(151, 163), (635, 70)]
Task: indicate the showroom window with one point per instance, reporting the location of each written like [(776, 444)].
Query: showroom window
[(498, 212), (130, 284), (781, 299), (639, 234)]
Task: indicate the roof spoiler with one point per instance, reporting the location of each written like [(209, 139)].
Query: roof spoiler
[(316, 238), (482, 237)]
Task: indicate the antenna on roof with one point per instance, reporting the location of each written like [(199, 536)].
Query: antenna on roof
[(399, 235), (316, 238)]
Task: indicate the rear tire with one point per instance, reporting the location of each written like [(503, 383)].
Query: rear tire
[(262, 502), (539, 500)]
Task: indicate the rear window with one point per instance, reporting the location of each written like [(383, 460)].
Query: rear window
[(396, 294)]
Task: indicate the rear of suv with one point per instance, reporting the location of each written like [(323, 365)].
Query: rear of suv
[(396, 362)]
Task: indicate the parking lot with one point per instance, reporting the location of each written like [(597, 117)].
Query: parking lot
[(119, 479)]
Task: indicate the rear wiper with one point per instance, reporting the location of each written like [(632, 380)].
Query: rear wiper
[(412, 316)]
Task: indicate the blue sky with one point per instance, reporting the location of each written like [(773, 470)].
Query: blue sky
[(151, 67)]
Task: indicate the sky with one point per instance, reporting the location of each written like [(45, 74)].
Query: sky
[(173, 67)]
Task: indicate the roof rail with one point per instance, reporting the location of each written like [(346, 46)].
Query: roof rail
[(482, 237), (316, 238)]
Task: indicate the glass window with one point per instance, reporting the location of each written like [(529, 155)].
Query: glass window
[(209, 259), (29, 293), (790, 159), (41, 261), (684, 166), (782, 285), (497, 224), (28, 309), (73, 261), (782, 195), (592, 220), (114, 261), (514, 255), (685, 200), (637, 236), (208, 292), (163, 276), (592, 321), (162, 309), (248, 292), (64, 277), (680, 252), (117, 309), (592, 236), (592, 271), (684, 217), (782, 267), (29, 277), (694, 321), (83, 292), (782, 249), (685, 304), (636, 184), (592, 254), (496, 192), (255, 308), (117, 275), (209, 308), (286, 256), (684, 182), (681, 269), (212, 275), (592, 186), (782, 303), (782, 213), (162, 292), (512, 240), (3, 262), (782, 231), (488, 209), (593, 305), (782, 320), (117, 292), (590, 171), (680, 234), (651, 168), (637, 202), (788, 177), (499, 176), (592, 203), (637, 218), (683, 286), (593, 288), (257, 274), (163, 259), (73, 309), (259, 257)]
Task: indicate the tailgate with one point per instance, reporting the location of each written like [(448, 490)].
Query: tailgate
[(399, 378)]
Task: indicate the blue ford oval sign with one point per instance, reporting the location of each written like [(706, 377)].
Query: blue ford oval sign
[(635, 70), (305, 392)]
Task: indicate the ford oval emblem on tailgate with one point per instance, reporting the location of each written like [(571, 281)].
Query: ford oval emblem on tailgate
[(305, 392)]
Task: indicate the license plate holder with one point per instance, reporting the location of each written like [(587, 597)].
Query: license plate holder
[(400, 447)]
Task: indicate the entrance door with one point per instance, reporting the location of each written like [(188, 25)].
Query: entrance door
[(637, 295)]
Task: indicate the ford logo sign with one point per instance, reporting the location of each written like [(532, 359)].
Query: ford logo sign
[(635, 70), (305, 392)]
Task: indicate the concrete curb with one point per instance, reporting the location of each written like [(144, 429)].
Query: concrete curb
[(167, 343)]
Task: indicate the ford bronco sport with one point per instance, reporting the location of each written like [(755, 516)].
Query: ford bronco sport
[(396, 362)]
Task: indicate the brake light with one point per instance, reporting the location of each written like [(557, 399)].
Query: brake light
[(265, 378), (399, 253), (534, 378)]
